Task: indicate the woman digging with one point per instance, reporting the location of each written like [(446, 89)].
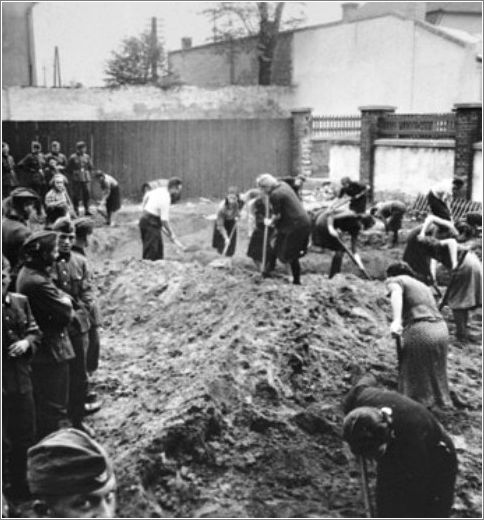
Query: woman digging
[(225, 229)]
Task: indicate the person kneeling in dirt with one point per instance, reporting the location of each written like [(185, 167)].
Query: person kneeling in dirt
[(391, 214), (423, 354), (325, 234), (72, 477), (291, 222), (111, 199), (416, 458), (225, 229), (156, 218)]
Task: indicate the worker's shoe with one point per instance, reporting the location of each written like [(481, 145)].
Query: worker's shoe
[(91, 397), (91, 408)]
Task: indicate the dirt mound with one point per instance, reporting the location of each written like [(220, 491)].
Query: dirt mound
[(222, 392)]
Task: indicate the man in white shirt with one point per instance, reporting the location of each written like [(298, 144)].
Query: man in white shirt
[(156, 219)]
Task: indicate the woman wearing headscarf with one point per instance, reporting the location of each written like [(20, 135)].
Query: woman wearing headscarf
[(225, 230), (416, 318), (415, 457), (57, 201)]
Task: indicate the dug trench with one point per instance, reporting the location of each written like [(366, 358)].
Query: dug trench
[(222, 391)]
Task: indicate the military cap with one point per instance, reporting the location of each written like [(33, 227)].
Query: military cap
[(40, 240), (80, 144), (83, 225), (63, 225), (36, 144), (67, 462), (23, 193)]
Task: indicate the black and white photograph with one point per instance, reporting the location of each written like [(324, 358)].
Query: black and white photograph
[(241, 259)]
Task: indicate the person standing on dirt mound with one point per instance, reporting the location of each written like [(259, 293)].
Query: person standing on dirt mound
[(156, 219), (416, 458), (71, 274), (225, 228), (71, 476), (325, 234), (53, 312), (423, 352), (391, 214), (291, 222), (111, 199)]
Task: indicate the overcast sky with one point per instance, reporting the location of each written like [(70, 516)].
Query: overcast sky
[(87, 32)]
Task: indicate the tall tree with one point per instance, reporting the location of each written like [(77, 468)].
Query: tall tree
[(232, 20), (134, 63)]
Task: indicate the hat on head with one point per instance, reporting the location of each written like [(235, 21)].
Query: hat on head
[(83, 226), (39, 241), (63, 225), (67, 462), (80, 144), (36, 144), (23, 193)]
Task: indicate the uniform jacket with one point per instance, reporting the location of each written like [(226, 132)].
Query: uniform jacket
[(51, 312), (9, 177), (71, 274), (14, 232), (79, 167), (94, 311), (17, 323), (33, 165), (59, 157)]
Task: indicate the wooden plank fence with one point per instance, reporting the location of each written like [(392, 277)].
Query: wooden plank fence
[(208, 155)]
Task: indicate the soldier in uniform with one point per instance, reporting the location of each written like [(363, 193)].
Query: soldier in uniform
[(71, 274), (72, 477), (15, 227), (33, 165), (52, 310), (9, 177), (79, 168), (20, 339), (56, 154)]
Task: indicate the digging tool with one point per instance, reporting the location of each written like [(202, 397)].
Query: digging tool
[(443, 302), (398, 344), (227, 261), (365, 488), (354, 259), (266, 235)]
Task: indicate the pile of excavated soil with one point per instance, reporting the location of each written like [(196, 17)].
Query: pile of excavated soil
[(222, 393)]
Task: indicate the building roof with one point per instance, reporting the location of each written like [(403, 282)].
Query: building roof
[(371, 9), (454, 7)]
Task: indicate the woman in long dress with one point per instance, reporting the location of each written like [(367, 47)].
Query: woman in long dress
[(225, 231), (425, 338)]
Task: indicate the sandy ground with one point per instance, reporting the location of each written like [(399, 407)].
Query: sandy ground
[(222, 391)]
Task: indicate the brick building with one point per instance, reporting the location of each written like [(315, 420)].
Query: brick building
[(376, 54)]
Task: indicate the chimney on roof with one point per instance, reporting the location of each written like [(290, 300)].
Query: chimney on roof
[(349, 10), (186, 43)]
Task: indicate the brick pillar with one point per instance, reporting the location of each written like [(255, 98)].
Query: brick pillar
[(370, 117), (301, 141), (468, 121)]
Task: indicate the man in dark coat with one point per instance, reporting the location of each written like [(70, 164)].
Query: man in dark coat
[(20, 339), (416, 459), (9, 177), (53, 312), (15, 227), (79, 169), (357, 192), (291, 222), (33, 165), (71, 274)]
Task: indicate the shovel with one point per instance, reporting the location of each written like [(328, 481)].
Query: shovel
[(369, 513), (353, 258), (266, 236), (227, 261)]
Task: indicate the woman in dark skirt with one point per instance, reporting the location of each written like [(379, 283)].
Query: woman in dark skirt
[(257, 208), (111, 194), (423, 364), (225, 231)]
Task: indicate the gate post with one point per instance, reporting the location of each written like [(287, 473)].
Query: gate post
[(301, 130), (370, 117), (468, 131)]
